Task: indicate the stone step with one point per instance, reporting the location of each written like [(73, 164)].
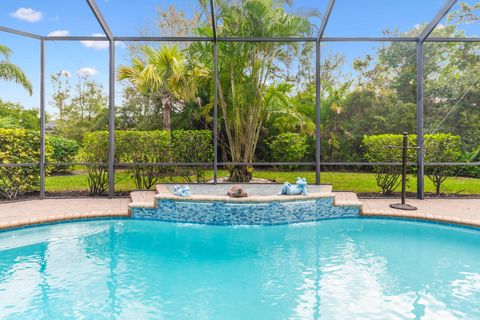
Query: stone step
[(341, 198), (142, 199), (252, 189), (161, 188), (346, 199), (327, 188)]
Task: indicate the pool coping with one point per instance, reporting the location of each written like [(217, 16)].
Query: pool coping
[(163, 193), (256, 199), (360, 217), (419, 217), (32, 222), (20, 223), (17, 222)]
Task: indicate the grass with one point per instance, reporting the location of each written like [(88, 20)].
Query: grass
[(351, 181)]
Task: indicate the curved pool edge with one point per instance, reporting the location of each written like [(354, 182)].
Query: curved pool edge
[(425, 217), (55, 219), (3, 229)]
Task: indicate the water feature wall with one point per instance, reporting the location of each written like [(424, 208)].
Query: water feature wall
[(245, 213)]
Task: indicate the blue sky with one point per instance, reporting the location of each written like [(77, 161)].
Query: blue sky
[(126, 17)]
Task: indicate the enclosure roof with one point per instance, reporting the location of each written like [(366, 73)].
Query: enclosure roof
[(331, 20)]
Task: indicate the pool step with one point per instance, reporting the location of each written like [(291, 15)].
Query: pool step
[(346, 199), (146, 199), (143, 199), (161, 188), (324, 188)]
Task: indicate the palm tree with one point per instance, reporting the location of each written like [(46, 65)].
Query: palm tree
[(166, 71), (248, 72), (11, 72), (332, 105)]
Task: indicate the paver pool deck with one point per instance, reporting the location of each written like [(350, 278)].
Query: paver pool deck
[(456, 211), (30, 212)]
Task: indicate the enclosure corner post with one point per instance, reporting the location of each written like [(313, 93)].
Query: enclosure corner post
[(317, 112), (111, 121), (215, 113), (419, 124), (215, 93), (42, 118)]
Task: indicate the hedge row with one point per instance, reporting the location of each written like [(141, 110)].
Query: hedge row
[(21, 146), (441, 147), (183, 146), (288, 147), (63, 151)]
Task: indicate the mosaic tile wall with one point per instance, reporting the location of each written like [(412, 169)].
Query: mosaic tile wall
[(250, 213)]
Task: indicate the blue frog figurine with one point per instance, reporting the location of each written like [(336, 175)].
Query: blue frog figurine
[(294, 189), (181, 191)]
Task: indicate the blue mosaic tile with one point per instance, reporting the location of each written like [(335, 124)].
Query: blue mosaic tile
[(245, 213)]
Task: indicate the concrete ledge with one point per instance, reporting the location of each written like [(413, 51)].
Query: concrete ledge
[(141, 205), (341, 199), (347, 203), (142, 199), (250, 199)]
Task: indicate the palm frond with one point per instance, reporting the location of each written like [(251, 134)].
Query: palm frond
[(5, 51), (11, 72)]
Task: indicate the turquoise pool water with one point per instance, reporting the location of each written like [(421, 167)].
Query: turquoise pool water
[(332, 269)]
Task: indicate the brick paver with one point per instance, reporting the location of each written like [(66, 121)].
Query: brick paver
[(16, 214), (461, 211)]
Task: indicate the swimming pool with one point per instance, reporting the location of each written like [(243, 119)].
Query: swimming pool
[(331, 269)]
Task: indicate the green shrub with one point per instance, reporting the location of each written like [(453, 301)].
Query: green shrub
[(147, 147), (288, 147), (95, 151), (192, 146), (20, 146), (144, 147), (63, 151), (439, 147), (471, 171), (377, 149)]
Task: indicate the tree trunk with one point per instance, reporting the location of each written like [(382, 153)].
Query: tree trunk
[(437, 186), (240, 174), (166, 114)]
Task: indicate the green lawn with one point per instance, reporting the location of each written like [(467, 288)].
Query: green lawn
[(352, 181)]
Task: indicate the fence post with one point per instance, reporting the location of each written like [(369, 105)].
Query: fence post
[(419, 116), (42, 118), (317, 112), (111, 121)]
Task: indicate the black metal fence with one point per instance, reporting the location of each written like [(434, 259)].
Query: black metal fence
[(319, 40)]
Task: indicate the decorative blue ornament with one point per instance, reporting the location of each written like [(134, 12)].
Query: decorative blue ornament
[(294, 189), (181, 191)]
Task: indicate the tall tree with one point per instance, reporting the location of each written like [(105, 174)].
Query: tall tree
[(13, 115), (248, 70), (166, 71), (11, 72), (81, 109)]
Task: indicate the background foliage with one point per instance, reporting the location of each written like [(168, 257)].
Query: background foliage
[(266, 99)]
